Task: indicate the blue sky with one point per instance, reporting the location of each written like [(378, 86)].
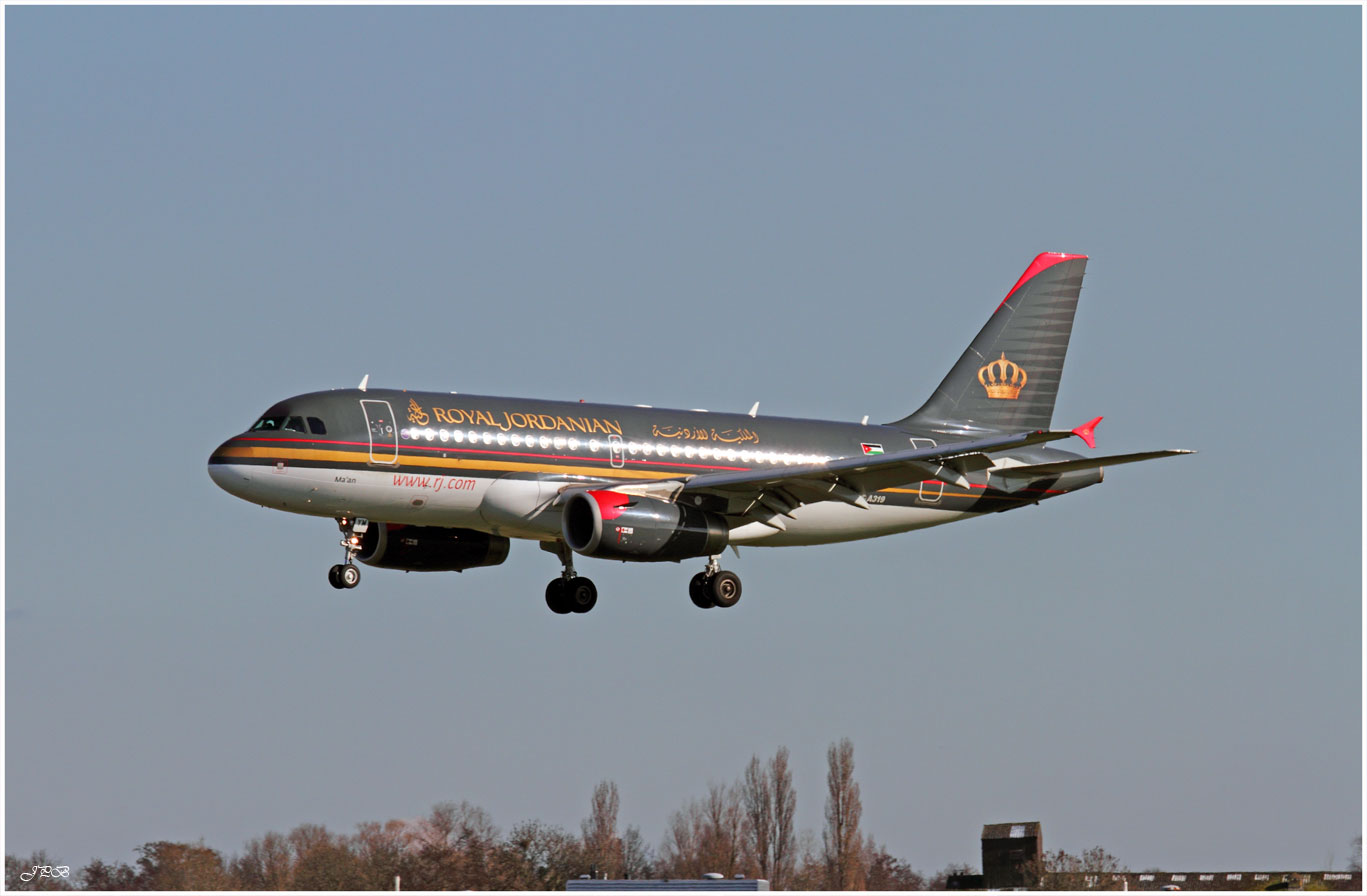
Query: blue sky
[(210, 209)]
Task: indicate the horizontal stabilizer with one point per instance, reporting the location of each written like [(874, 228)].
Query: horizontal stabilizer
[(1013, 478)]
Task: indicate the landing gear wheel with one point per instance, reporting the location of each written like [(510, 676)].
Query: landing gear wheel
[(699, 592), (346, 575), (582, 594), (725, 589), (557, 596)]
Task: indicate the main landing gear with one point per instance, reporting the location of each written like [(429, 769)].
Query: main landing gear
[(714, 587), (347, 575), (570, 593)]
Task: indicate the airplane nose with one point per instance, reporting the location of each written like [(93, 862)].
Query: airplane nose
[(225, 474), (219, 474)]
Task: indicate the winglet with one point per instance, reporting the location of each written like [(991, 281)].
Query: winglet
[(1087, 432)]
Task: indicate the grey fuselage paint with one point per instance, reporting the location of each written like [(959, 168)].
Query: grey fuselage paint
[(497, 464)]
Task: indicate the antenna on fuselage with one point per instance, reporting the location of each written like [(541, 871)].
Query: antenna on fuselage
[(365, 379), (754, 410)]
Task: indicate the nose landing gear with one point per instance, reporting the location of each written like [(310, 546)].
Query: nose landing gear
[(347, 574), (714, 586)]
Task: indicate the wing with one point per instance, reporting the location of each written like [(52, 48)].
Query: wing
[(849, 478), (768, 493)]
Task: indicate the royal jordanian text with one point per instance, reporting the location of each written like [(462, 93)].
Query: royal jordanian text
[(510, 420)]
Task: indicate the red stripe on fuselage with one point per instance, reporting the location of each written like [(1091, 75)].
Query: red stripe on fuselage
[(447, 448)]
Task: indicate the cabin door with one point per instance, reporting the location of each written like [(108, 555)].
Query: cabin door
[(384, 435)]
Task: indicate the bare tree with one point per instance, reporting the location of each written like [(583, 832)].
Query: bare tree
[(705, 836), (768, 803), (722, 834), (883, 871), (1095, 869), (266, 864), (681, 852), (637, 863), (537, 857), (382, 852), (181, 866), (323, 860), (809, 868), (784, 838), (757, 799), (1355, 860), (100, 876), (452, 848), (602, 846), (842, 844)]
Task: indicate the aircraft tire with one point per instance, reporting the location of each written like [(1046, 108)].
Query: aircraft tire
[(334, 576), (349, 575), (582, 594), (699, 591), (725, 589), (557, 596)]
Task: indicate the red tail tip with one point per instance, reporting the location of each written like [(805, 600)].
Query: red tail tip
[(1042, 262), (1087, 432)]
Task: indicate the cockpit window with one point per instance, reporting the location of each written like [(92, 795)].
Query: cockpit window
[(285, 423)]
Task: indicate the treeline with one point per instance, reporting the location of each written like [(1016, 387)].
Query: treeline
[(745, 828)]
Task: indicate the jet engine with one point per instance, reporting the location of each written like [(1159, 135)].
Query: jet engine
[(628, 527), (430, 548)]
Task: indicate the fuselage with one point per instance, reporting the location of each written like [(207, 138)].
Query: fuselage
[(497, 465)]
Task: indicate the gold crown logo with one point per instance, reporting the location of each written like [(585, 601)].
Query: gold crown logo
[(416, 414), (1002, 378)]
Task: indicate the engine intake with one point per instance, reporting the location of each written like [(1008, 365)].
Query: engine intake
[(430, 548), (627, 527)]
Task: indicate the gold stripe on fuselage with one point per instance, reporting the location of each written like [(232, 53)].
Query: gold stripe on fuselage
[(456, 463)]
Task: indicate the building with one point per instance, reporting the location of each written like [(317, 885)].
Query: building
[(1011, 854), (1226, 880), (713, 882)]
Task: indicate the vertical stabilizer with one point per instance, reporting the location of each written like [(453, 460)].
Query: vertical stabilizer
[(1008, 377)]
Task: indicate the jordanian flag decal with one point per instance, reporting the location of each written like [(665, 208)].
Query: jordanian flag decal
[(871, 449)]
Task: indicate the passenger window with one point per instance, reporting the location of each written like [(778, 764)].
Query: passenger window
[(316, 427), (269, 423), (295, 424)]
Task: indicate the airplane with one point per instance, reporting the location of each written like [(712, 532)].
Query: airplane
[(432, 481)]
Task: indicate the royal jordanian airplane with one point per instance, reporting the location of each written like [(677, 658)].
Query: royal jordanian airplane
[(444, 481)]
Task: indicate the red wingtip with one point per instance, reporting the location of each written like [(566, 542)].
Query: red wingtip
[(1087, 432), (1042, 262)]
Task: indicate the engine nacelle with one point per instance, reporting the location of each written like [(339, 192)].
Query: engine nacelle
[(627, 527), (430, 548)]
